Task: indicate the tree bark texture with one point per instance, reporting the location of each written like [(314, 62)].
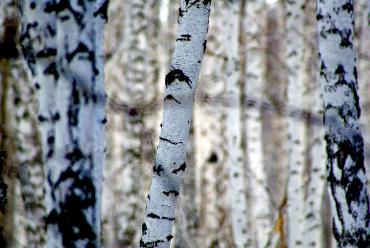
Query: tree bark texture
[(256, 62), (344, 143), (63, 43), (236, 156), (296, 126), (180, 84)]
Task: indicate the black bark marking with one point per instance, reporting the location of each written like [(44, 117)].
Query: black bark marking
[(184, 37), (75, 155), (104, 121), (46, 53), (168, 193), (81, 48), (213, 158), (180, 169), (102, 11), (151, 244), (179, 75), (169, 237), (74, 108), (167, 218), (144, 228), (154, 216), (52, 70), (62, 5), (56, 117), (42, 118), (171, 98), (204, 46), (171, 142), (158, 169)]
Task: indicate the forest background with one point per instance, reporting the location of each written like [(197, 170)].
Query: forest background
[(249, 123)]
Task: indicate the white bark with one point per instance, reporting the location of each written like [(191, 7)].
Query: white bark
[(345, 165), (315, 193), (235, 160), (296, 126), (170, 163), (71, 113), (255, 25)]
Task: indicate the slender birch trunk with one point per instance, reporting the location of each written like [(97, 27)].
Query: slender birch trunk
[(345, 164), (255, 27), (315, 193), (235, 160), (296, 127), (170, 163)]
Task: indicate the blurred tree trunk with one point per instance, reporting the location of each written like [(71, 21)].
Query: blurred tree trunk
[(71, 113), (235, 160), (28, 156), (345, 147), (170, 163), (131, 109), (295, 48), (256, 31), (9, 22), (315, 184), (210, 139)]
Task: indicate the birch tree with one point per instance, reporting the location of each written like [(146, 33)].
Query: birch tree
[(235, 159), (296, 128), (170, 162), (344, 143), (255, 25), (315, 184), (71, 113)]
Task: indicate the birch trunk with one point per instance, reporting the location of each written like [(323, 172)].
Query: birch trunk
[(235, 159), (296, 126), (71, 113), (170, 163), (315, 193), (255, 25), (345, 164)]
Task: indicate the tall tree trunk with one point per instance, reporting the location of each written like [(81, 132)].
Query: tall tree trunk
[(296, 125), (315, 192), (256, 30), (71, 113), (345, 165), (235, 160), (170, 163), (9, 22)]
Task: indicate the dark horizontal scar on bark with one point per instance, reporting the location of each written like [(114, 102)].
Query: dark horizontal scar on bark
[(169, 141), (181, 168), (179, 75), (171, 98), (154, 216), (184, 37), (168, 193)]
